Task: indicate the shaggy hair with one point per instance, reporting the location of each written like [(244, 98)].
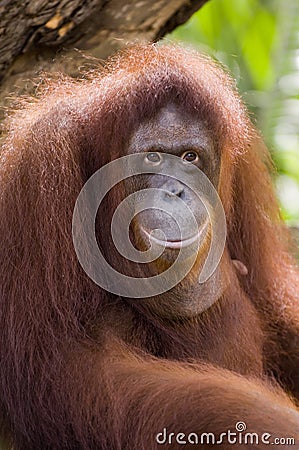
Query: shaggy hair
[(83, 369)]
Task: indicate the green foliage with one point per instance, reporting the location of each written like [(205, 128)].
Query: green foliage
[(258, 40)]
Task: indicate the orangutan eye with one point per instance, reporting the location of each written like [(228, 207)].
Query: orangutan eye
[(153, 158), (190, 156)]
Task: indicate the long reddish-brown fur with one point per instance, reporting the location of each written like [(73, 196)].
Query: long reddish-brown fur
[(83, 369)]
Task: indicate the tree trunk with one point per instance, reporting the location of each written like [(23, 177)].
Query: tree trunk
[(41, 35)]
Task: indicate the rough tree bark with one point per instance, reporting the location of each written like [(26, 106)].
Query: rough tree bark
[(42, 35)]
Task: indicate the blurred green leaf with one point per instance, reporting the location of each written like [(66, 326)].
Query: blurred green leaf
[(257, 45)]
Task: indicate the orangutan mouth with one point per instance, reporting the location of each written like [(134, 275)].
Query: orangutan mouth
[(177, 244)]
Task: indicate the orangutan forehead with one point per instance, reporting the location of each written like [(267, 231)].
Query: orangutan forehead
[(172, 127)]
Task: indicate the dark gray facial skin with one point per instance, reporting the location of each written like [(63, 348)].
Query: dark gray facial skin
[(176, 132)]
